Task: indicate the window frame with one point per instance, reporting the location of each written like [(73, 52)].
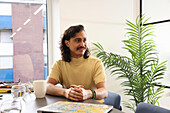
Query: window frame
[(155, 22)]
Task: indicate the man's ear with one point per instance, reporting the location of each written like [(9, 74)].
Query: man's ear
[(67, 43)]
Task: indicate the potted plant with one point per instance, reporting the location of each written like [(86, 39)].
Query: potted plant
[(142, 69)]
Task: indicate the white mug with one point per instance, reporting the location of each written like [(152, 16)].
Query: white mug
[(40, 88)]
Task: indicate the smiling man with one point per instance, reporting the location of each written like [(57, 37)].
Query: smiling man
[(81, 75)]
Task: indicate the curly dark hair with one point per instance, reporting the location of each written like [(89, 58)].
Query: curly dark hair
[(71, 32)]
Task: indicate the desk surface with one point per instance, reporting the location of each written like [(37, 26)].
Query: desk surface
[(30, 104)]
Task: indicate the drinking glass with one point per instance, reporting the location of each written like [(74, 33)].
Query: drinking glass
[(28, 91), (29, 87), (18, 91)]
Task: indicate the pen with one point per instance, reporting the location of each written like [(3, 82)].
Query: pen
[(6, 86)]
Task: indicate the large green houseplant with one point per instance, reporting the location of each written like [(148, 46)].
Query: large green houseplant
[(142, 69)]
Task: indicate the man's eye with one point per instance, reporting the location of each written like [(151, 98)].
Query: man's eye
[(77, 40), (84, 40)]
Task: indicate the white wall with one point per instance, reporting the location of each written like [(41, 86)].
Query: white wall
[(104, 22), (103, 19), (53, 31)]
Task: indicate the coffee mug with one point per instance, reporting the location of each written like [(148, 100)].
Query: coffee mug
[(39, 88)]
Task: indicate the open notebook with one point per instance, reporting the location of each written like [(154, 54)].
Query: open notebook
[(75, 107)]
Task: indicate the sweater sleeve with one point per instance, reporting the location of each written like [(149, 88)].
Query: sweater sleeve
[(55, 72), (99, 73)]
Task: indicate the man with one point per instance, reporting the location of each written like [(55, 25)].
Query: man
[(81, 75)]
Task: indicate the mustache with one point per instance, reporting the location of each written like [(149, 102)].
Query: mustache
[(84, 47)]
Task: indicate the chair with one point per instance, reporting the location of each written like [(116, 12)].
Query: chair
[(114, 100), (149, 108)]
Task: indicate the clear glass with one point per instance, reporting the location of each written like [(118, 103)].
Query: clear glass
[(23, 40), (18, 92), (28, 88), (162, 42), (156, 9)]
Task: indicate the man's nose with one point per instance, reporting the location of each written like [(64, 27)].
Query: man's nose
[(82, 43)]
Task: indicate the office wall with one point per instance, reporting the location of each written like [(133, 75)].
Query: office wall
[(104, 22)]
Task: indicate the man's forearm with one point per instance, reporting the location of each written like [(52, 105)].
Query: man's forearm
[(54, 90), (101, 93)]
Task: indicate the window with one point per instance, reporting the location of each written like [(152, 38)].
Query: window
[(157, 11), (23, 40)]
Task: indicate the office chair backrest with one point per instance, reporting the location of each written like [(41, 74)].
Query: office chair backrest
[(149, 108), (113, 99)]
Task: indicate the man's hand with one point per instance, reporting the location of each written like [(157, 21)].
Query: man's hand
[(86, 94), (78, 93), (73, 93)]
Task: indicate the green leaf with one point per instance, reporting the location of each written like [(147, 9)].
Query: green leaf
[(142, 69)]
